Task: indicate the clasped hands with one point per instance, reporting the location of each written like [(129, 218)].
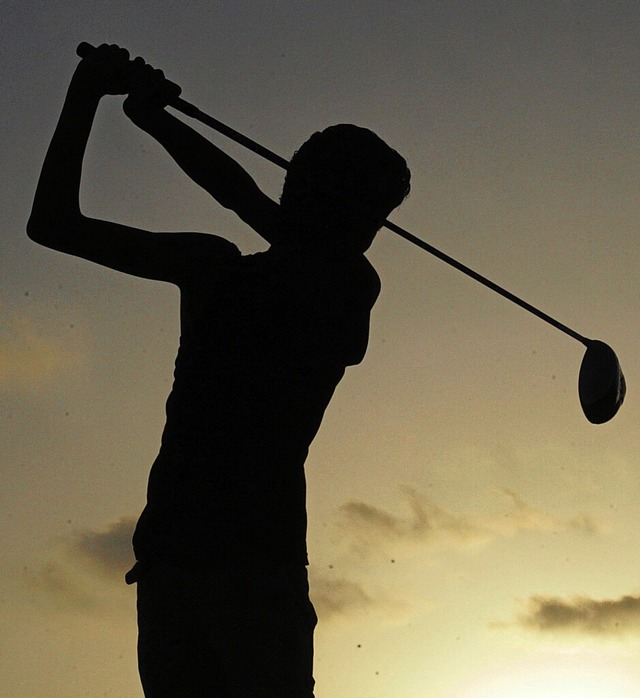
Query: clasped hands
[(108, 70)]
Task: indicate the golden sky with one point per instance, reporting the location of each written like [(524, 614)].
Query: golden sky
[(471, 534)]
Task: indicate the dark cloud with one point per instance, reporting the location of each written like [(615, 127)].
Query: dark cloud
[(367, 535), (85, 572), (335, 596), (583, 615), (86, 569), (109, 550), (338, 597), (367, 528)]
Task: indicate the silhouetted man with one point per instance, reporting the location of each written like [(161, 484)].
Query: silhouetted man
[(223, 604)]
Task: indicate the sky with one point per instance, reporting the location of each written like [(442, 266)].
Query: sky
[(471, 535)]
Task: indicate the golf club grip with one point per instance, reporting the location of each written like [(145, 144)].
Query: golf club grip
[(191, 110)]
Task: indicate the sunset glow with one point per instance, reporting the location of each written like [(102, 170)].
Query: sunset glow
[(470, 534), (555, 682)]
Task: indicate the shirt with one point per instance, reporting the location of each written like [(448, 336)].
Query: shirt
[(265, 340)]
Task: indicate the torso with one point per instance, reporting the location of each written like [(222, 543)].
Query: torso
[(264, 341)]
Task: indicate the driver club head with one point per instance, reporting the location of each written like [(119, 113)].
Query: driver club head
[(601, 384)]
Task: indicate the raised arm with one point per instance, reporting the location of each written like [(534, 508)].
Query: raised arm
[(201, 160), (56, 215), (56, 219)]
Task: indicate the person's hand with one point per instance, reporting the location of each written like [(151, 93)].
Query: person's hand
[(105, 70), (149, 90)]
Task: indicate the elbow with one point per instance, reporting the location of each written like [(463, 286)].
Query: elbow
[(41, 230), (36, 228), (50, 231)]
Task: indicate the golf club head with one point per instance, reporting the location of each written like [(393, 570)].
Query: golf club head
[(601, 384)]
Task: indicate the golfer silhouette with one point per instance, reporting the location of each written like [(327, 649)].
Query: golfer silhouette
[(223, 596)]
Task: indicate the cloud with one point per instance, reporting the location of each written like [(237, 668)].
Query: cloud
[(367, 535), (339, 597), (583, 615), (108, 550), (28, 358), (368, 529), (59, 588), (85, 572)]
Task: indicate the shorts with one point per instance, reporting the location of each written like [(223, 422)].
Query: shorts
[(237, 631)]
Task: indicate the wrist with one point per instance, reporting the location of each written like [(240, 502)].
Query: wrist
[(80, 92)]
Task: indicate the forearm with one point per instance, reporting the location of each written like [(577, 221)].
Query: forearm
[(56, 204), (211, 168), (201, 160)]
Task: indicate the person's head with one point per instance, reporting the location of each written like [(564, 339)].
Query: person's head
[(342, 184)]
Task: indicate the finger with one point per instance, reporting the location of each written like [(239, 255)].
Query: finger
[(152, 83), (118, 52), (86, 50), (137, 68), (142, 76), (107, 54)]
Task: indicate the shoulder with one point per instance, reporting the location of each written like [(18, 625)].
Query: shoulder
[(370, 278), (356, 289), (198, 253), (357, 277)]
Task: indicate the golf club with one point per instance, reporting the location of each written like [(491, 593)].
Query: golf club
[(601, 383)]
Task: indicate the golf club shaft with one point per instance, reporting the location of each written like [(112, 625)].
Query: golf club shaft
[(192, 111)]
